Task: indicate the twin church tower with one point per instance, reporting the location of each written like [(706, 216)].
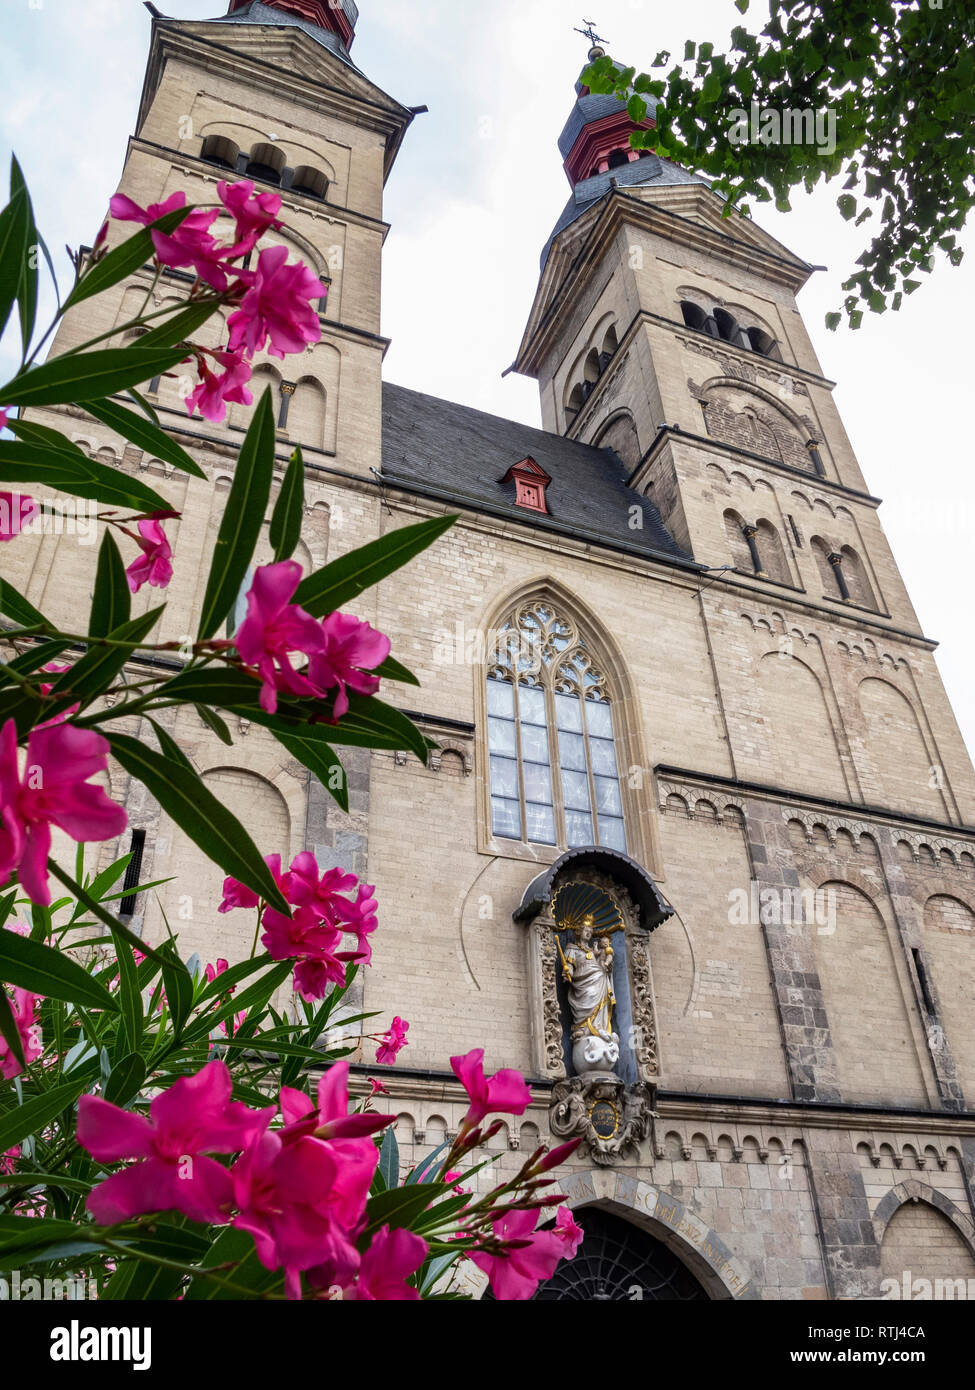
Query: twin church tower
[(696, 852)]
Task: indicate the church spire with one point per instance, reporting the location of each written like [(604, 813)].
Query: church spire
[(336, 16)]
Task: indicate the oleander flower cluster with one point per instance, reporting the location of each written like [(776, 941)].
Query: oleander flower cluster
[(296, 1176), (275, 300), (322, 915)]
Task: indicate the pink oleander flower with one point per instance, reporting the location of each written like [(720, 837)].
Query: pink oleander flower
[(154, 565), (277, 306), (123, 209), (195, 1117), (364, 923), (303, 1200), (22, 1006), (314, 975), (254, 215), (3, 416), (306, 938), (351, 648), (54, 789), (568, 1230), (320, 893), (16, 508), (237, 894), (9, 1158), (377, 1088), (331, 1120), (214, 392), (229, 1026), (192, 245), (273, 629), (384, 1269), (391, 1044), (505, 1093), (516, 1275)]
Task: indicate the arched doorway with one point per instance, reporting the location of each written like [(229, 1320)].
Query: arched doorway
[(619, 1262)]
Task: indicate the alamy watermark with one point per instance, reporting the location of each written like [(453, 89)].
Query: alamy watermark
[(32, 516), (765, 125), (757, 906)]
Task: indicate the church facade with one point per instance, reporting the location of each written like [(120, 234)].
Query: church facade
[(696, 851)]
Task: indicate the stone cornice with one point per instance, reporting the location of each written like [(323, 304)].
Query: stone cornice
[(828, 807)]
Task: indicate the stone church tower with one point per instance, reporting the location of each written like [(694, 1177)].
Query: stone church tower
[(697, 850)]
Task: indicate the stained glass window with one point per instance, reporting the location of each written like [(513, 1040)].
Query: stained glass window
[(555, 776)]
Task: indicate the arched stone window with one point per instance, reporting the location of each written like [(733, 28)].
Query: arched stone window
[(555, 774), (313, 183), (266, 163), (221, 151)]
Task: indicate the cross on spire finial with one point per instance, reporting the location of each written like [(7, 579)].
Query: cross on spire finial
[(590, 33)]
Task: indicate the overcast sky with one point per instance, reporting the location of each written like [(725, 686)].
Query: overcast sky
[(476, 191)]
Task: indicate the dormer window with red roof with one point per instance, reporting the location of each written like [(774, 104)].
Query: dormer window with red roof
[(530, 482)]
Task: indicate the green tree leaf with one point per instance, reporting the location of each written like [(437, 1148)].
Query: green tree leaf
[(23, 460), (288, 510), (143, 433), (99, 666), (243, 517), (35, 1115), (126, 1080), (27, 289), (50, 973), (204, 818), (111, 604), (124, 260), (8, 1024), (15, 224), (88, 376), (345, 579), (320, 759)]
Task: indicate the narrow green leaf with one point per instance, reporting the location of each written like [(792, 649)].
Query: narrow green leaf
[(178, 985), (345, 579), (200, 814), (111, 605), (15, 222), (50, 973), (113, 923), (243, 517), (392, 670), (286, 519), (14, 605), (124, 260), (400, 1206), (321, 760), (126, 1080), (8, 1024), (130, 999), (142, 433), (215, 724), (178, 328), (23, 461), (100, 665), (389, 1159), (36, 1114), (27, 289), (87, 376)]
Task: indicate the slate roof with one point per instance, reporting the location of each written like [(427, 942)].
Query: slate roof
[(460, 454), (258, 13), (650, 170)]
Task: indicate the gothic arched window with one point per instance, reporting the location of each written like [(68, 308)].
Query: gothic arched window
[(555, 776)]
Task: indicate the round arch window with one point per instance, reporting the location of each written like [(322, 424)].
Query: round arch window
[(618, 1262)]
